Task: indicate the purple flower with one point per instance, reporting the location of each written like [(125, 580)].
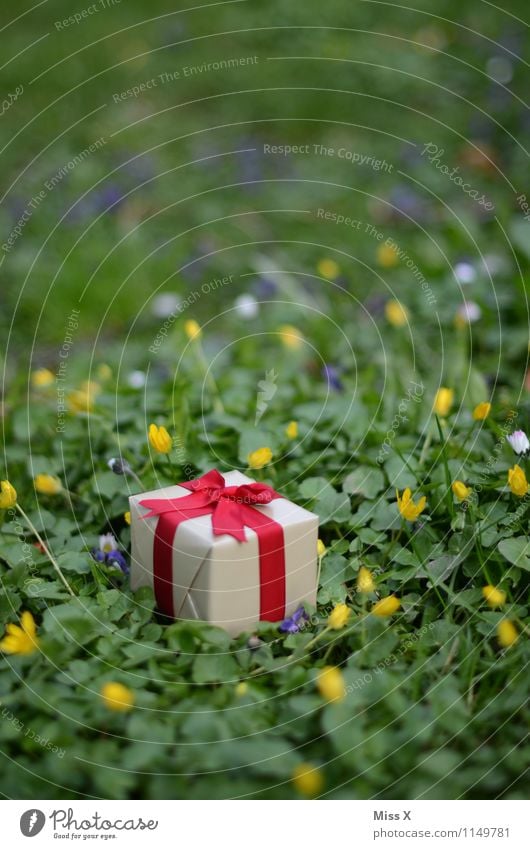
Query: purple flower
[(294, 623), (331, 374), (109, 554), (116, 560), (265, 287), (108, 198)]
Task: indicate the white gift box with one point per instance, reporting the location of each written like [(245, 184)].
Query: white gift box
[(217, 578)]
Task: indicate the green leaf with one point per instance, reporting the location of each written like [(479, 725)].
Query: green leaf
[(440, 569), (76, 561), (214, 668), (364, 481), (517, 551)]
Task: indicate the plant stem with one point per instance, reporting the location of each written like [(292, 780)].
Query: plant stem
[(425, 448), (171, 466), (47, 551), (208, 376), (449, 497), (422, 563)]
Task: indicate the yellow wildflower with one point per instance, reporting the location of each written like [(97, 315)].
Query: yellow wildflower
[(365, 582), (82, 400), (443, 401), (482, 411), (493, 596), (517, 481), (259, 458), (507, 633), (291, 431), (386, 606), (408, 509), (330, 684), (91, 387), (192, 329), (460, 490), (117, 697), (21, 639), (308, 780), (339, 616), (291, 337), (104, 372), (241, 688), (321, 548), (328, 268), (396, 313), (387, 255), (48, 484), (159, 439), (42, 377), (127, 517), (8, 495)]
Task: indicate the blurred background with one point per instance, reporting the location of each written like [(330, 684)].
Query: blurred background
[(136, 168)]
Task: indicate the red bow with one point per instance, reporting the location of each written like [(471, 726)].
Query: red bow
[(229, 505), (231, 508)]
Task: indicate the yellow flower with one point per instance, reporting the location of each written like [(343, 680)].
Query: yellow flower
[(159, 439), (387, 255), (192, 329), (48, 484), (517, 481), (291, 430), (82, 400), (408, 509), (443, 401), (104, 372), (482, 411), (339, 616), (308, 780), (493, 596), (507, 633), (291, 337), (42, 377), (127, 517), (330, 684), (321, 548), (328, 268), (21, 640), (365, 582), (91, 387), (396, 313), (8, 495), (241, 688), (258, 459), (460, 490), (386, 606), (117, 697)]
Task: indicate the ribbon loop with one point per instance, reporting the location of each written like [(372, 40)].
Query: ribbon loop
[(225, 501)]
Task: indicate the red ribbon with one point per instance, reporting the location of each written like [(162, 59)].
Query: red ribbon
[(232, 508)]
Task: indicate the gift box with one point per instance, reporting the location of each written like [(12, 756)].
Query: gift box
[(224, 549)]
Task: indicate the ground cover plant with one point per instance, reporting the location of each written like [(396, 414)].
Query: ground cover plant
[(301, 251)]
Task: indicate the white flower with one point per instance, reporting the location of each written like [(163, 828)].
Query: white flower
[(107, 542), (136, 379), (164, 304), (246, 306), (519, 441), (465, 272), (469, 311)]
